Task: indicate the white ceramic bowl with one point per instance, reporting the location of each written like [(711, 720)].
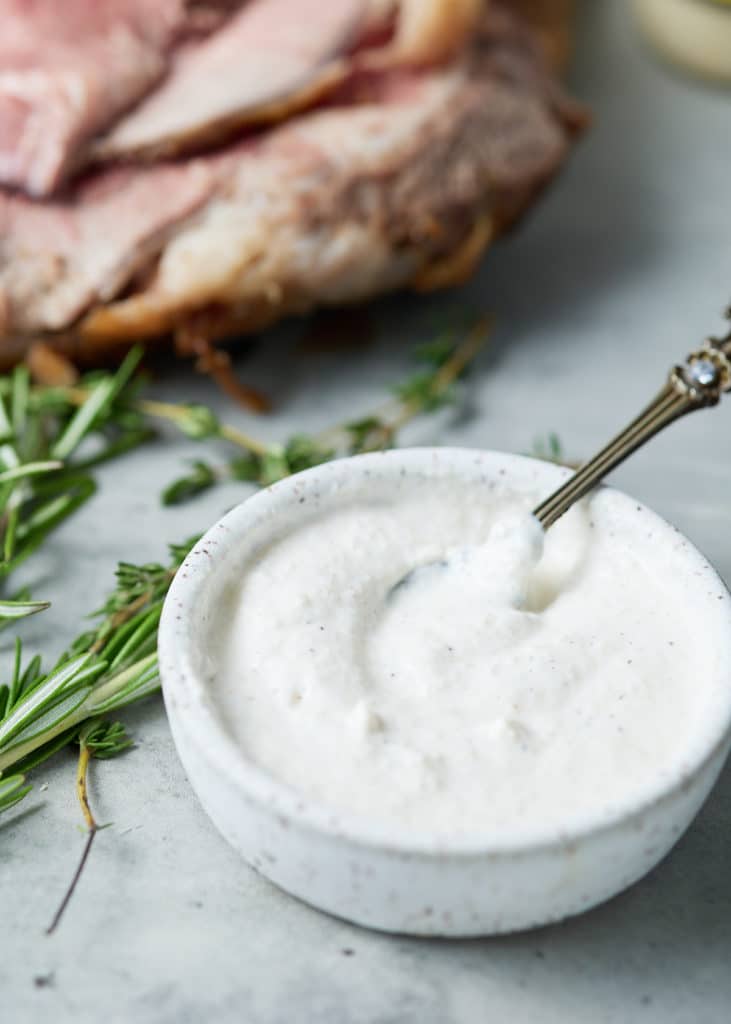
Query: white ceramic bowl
[(368, 875)]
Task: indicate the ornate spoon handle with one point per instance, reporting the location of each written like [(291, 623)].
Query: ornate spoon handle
[(695, 384)]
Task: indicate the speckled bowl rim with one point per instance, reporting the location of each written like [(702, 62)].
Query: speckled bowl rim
[(181, 683)]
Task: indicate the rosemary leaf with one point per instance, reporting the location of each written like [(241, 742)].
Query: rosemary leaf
[(52, 719), (8, 455), (17, 676), (47, 512), (31, 675), (45, 751), (36, 701), (102, 395), (10, 532), (13, 609), (19, 399), (12, 790), (127, 687), (135, 642), (29, 469)]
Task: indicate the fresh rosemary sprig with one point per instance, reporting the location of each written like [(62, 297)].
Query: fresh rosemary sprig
[(53, 436), (44, 476), (103, 670)]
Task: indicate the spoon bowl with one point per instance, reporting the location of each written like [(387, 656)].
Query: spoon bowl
[(695, 384)]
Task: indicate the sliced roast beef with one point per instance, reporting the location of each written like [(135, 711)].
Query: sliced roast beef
[(277, 57), (268, 52), (346, 203), (56, 258), (402, 178), (67, 69)]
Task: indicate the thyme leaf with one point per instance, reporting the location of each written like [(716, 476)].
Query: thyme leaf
[(201, 477), (551, 449)]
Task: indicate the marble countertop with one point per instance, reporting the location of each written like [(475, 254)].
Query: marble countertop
[(623, 268)]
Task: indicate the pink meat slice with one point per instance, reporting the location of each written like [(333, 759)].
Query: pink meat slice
[(264, 54), (58, 257), (68, 68)]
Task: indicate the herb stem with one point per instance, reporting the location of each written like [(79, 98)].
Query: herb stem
[(125, 614), (463, 354), (447, 374), (394, 415), (175, 414), (92, 829), (243, 440), (178, 413), (84, 758)]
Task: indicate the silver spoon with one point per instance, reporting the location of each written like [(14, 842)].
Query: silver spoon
[(695, 384)]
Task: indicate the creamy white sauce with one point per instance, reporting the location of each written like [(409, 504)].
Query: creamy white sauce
[(513, 686)]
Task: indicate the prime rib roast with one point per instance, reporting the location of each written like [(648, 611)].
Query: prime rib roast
[(195, 169)]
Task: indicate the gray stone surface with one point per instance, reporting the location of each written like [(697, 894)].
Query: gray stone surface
[(622, 269)]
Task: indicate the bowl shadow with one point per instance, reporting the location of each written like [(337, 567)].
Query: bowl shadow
[(672, 926)]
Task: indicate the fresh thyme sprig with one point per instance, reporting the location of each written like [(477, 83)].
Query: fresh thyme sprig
[(447, 360)]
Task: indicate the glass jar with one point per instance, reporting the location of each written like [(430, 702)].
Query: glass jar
[(693, 33)]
